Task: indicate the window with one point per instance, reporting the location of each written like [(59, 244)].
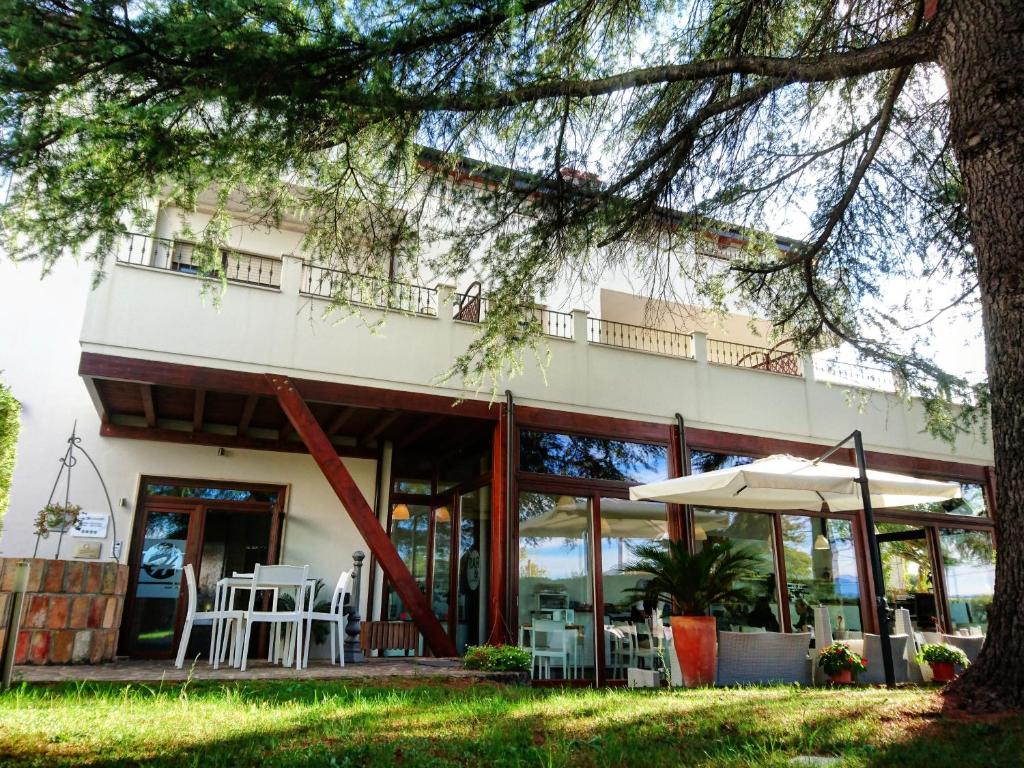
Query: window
[(594, 458), (821, 569), (969, 560), (971, 505), (706, 461), (209, 494), (753, 532)]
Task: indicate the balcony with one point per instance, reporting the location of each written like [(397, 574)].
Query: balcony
[(180, 256), (272, 319)]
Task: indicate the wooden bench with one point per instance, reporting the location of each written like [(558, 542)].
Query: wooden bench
[(389, 636)]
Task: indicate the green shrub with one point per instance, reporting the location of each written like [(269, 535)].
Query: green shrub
[(10, 412), (938, 653), (497, 658)]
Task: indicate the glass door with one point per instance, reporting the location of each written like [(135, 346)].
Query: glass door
[(157, 575), (909, 574), (474, 536), (633, 633), (557, 610)]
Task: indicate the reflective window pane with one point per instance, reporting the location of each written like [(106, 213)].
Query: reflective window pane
[(474, 572), (908, 573), (821, 569), (209, 494), (592, 457), (969, 560), (632, 635), (753, 532), (971, 505), (410, 529), (556, 596)]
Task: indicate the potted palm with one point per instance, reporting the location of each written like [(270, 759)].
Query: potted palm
[(693, 583), (943, 659)]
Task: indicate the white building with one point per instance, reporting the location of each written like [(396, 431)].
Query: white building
[(500, 509)]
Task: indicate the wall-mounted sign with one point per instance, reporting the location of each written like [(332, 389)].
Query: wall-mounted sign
[(91, 525), (89, 551)]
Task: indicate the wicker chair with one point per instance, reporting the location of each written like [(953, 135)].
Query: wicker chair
[(746, 658), (872, 651), (970, 645)]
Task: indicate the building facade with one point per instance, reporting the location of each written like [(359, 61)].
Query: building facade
[(254, 429)]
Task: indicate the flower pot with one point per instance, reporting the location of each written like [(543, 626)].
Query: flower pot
[(696, 644), (942, 671), (842, 677)]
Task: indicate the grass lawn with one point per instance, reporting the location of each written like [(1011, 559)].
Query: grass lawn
[(460, 723)]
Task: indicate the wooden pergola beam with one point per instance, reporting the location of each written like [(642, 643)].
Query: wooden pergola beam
[(198, 410), (341, 418), (247, 411), (323, 452), (148, 408), (385, 421), (414, 434)]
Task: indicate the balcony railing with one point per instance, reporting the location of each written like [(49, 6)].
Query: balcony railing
[(371, 292), (639, 338), (855, 374), (758, 358), (180, 256), (474, 308)]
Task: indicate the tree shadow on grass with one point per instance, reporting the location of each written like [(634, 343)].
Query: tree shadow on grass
[(356, 725)]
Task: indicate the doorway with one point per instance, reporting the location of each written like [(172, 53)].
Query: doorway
[(220, 528)]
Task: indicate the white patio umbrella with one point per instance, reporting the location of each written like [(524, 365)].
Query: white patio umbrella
[(784, 482)]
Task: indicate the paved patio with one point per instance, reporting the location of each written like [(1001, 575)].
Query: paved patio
[(150, 671)]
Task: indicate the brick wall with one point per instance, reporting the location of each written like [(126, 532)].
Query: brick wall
[(72, 610)]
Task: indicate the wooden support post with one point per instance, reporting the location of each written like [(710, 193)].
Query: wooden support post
[(401, 580)]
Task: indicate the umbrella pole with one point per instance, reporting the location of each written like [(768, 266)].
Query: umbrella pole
[(881, 603)]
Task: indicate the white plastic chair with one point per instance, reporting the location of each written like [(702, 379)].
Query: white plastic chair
[(230, 623), (334, 615), (286, 578), (620, 651), (559, 644)]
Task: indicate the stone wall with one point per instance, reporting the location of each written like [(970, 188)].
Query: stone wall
[(72, 610)]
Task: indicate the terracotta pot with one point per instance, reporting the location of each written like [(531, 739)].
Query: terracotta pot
[(942, 671), (842, 677), (696, 642)]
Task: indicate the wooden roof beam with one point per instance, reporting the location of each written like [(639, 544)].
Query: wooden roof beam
[(247, 411), (148, 408), (366, 522), (386, 421)]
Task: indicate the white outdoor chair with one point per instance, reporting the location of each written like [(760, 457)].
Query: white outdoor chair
[(230, 623), (649, 644), (871, 649), (559, 643), (905, 626), (334, 615), (969, 645), (286, 578), (620, 650)]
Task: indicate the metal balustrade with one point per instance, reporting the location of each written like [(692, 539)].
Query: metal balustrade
[(473, 308), (180, 256), (639, 338), (758, 358), (329, 283), (855, 374)]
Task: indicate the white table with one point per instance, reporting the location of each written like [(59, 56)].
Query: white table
[(224, 601)]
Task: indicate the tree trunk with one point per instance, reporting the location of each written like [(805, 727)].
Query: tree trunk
[(980, 52)]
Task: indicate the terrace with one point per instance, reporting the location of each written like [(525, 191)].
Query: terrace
[(276, 317)]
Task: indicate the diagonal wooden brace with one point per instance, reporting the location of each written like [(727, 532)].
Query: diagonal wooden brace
[(326, 456)]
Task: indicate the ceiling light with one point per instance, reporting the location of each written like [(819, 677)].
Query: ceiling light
[(820, 542), (443, 515), (699, 534), (400, 512), (565, 503)]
